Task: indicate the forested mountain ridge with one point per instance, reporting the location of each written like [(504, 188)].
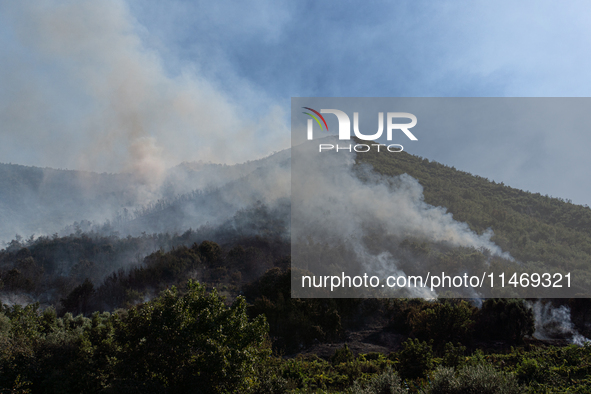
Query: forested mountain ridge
[(452, 188), (44, 201), (536, 230), (34, 200)]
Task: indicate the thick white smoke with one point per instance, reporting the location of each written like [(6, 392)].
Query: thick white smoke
[(555, 323), (334, 201)]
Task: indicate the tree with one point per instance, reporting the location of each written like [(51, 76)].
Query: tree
[(190, 343), (416, 359), (77, 300), (443, 322), (210, 251), (507, 319)]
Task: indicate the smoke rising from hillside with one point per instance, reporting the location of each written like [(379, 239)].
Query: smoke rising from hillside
[(84, 88), (555, 323), (334, 201), (45, 201), (85, 91), (361, 196)]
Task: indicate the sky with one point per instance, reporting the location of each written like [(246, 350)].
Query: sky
[(142, 85)]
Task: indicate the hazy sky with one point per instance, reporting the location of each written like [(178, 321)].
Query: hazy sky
[(141, 85)]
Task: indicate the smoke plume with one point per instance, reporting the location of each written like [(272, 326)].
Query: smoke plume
[(352, 207), (85, 90), (555, 323)]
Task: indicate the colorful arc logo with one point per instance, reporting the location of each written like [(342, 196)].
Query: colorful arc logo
[(315, 118)]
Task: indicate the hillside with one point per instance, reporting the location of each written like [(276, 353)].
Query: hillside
[(129, 291), (532, 227), (538, 231), (44, 201)]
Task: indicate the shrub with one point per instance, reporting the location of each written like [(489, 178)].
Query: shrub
[(192, 342), (342, 355), (529, 370), (269, 381), (387, 382), (481, 379), (453, 355), (416, 358), (443, 322)]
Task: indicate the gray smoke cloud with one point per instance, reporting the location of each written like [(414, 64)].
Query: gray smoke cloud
[(11, 299), (83, 89), (356, 198)]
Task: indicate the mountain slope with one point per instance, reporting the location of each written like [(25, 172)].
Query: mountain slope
[(532, 227), (44, 201)]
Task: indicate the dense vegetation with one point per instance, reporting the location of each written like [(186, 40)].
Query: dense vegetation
[(192, 341), (210, 310), (174, 343)]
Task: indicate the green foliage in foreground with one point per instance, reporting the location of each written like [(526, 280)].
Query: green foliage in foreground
[(189, 342), (537, 370)]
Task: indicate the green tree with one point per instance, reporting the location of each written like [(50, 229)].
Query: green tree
[(210, 251), (190, 343), (342, 355), (416, 359), (77, 301), (443, 322)]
